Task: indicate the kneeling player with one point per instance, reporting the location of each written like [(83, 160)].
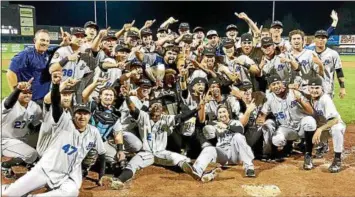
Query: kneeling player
[(329, 121), (20, 115)]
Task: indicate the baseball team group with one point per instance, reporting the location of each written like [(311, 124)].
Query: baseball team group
[(117, 102)]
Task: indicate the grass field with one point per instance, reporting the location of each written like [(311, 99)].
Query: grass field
[(346, 107)]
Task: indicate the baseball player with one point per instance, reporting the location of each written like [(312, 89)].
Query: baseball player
[(252, 131), (276, 30), (310, 64), (57, 109), (231, 148), (154, 147), (91, 30), (147, 40), (293, 116), (329, 122), (20, 115), (274, 63), (331, 61), (67, 58), (60, 166)]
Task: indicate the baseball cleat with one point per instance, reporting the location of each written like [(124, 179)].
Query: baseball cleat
[(116, 184), (250, 173), (7, 172), (335, 167), (12, 162), (187, 168), (321, 150), (211, 175), (307, 165)]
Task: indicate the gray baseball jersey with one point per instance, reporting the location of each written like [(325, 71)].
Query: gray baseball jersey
[(15, 121), (48, 127), (331, 62), (308, 68), (288, 112), (230, 101), (70, 148), (274, 66), (75, 69), (159, 131)]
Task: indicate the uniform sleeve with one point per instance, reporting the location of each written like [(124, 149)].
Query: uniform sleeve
[(266, 107), (3, 109), (99, 143), (143, 117), (330, 110), (336, 60), (149, 58), (169, 119), (234, 105), (58, 55), (18, 62), (38, 116)]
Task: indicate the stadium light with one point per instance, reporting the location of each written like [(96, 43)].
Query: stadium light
[(95, 11), (273, 11)]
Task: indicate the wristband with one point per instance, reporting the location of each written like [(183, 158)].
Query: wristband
[(341, 84), (119, 147), (63, 61)]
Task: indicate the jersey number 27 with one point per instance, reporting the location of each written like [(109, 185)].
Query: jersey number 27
[(69, 149)]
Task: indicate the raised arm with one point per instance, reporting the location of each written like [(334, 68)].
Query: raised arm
[(126, 27), (168, 22), (88, 90), (96, 43), (250, 22), (13, 97)]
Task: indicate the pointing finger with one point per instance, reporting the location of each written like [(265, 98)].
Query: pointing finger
[(108, 28), (61, 31), (31, 80), (132, 23), (153, 21)]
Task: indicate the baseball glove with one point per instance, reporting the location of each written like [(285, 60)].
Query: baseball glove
[(90, 159)]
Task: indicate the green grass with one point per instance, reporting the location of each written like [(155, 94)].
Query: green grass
[(348, 58), (346, 106)]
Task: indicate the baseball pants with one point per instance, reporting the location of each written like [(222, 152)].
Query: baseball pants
[(18, 149), (336, 132), (239, 150), (131, 143), (266, 131), (35, 179), (164, 158), (283, 133)]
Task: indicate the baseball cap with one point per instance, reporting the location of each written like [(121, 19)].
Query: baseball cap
[(67, 89), (321, 33), (228, 43), (213, 81), (162, 30), (209, 51), (211, 33), (246, 37), (266, 41), (78, 30), (187, 38), (231, 27), (273, 78), (316, 81), (145, 83), (122, 47), (245, 85), (198, 80), (110, 36), (132, 34), (198, 28), (81, 107), (276, 23), (184, 26), (91, 24), (146, 32)]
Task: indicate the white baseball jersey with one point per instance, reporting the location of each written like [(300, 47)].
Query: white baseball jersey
[(15, 121), (274, 66), (325, 109), (308, 68), (126, 122), (74, 69), (66, 152), (331, 62), (284, 43), (288, 112), (189, 126), (159, 131), (85, 46), (48, 127)]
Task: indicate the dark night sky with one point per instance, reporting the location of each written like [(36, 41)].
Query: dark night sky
[(311, 15)]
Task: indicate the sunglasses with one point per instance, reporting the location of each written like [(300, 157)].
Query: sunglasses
[(247, 42), (26, 92)]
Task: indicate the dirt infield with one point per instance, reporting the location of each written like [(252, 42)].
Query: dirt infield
[(282, 179)]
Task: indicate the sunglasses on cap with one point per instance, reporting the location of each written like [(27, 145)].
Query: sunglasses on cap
[(247, 42)]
